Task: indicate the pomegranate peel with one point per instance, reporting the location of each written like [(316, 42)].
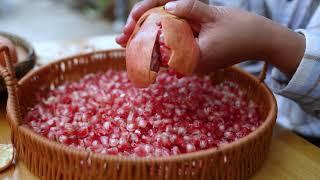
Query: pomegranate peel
[(160, 40)]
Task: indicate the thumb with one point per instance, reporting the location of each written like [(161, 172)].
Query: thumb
[(194, 10)]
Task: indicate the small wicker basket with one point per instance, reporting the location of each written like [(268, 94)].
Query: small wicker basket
[(23, 66), (51, 160)]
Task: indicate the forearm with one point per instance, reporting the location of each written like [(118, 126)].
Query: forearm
[(285, 48), (303, 86)]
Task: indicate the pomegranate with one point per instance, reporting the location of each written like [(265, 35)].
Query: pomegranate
[(6, 42), (105, 113), (160, 40)]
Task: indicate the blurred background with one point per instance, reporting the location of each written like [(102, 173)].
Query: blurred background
[(46, 20), (64, 20)]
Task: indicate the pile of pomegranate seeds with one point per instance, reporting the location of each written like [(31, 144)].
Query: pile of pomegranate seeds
[(104, 113)]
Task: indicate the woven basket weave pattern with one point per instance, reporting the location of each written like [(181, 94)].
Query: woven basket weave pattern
[(51, 160)]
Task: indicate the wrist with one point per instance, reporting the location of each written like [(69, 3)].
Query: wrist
[(286, 48)]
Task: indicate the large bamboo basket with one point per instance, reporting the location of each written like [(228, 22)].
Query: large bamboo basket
[(51, 160)]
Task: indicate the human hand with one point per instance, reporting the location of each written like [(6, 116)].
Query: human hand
[(227, 36)]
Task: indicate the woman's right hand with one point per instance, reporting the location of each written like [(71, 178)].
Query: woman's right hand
[(227, 36)]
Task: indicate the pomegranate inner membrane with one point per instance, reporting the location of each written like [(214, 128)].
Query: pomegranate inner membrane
[(161, 53), (104, 113)]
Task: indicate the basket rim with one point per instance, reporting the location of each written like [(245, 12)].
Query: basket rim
[(267, 123)]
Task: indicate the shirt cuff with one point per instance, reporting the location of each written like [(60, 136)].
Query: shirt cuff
[(304, 86)]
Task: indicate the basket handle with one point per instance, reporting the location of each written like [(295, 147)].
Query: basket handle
[(263, 73), (9, 77)]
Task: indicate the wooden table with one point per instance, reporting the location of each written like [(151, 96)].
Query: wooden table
[(290, 157)]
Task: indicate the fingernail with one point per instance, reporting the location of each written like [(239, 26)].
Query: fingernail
[(170, 6)]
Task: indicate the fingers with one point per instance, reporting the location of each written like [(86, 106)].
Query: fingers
[(122, 40), (131, 22), (196, 28), (137, 11), (194, 10), (144, 6), (129, 27)]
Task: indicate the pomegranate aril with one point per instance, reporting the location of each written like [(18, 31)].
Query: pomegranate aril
[(165, 54), (143, 150), (164, 51), (104, 140), (203, 144), (181, 130), (123, 141), (175, 73), (82, 132), (175, 150), (104, 113), (113, 151), (190, 148), (131, 127), (113, 142), (141, 122), (228, 135)]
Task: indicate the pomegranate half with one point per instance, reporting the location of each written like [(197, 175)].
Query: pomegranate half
[(160, 40)]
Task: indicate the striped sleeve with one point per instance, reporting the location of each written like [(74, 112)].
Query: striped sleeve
[(304, 86)]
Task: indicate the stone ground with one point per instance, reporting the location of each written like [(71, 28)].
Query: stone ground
[(49, 20)]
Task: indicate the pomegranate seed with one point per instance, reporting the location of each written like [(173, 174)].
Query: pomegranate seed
[(113, 142), (141, 122), (203, 144), (123, 141), (229, 135), (104, 113), (175, 150), (181, 130), (113, 151), (164, 139), (221, 128), (130, 117), (190, 148), (130, 127)]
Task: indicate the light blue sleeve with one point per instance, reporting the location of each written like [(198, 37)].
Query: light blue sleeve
[(255, 6), (304, 86)]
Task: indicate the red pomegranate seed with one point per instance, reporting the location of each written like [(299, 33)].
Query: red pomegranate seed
[(104, 140), (104, 113), (190, 148)]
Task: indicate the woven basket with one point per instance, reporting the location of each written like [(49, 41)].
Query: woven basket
[(51, 160)]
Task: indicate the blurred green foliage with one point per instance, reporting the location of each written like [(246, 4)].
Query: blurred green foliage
[(103, 4)]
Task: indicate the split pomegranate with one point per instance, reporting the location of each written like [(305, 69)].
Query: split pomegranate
[(160, 40), (105, 113)]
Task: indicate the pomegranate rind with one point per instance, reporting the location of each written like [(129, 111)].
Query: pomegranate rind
[(6, 156), (178, 37), (184, 49), (139, 51)]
